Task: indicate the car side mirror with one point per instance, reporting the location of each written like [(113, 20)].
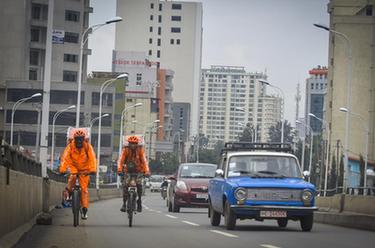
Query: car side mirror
[(306, 174), (219, 173)]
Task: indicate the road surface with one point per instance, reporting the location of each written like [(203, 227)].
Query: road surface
[(155, 227)]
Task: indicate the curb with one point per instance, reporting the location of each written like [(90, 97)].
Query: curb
[(345, 219)]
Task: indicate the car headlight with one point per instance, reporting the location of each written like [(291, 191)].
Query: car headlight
[(181, 185), (240, 194), (307, 196)]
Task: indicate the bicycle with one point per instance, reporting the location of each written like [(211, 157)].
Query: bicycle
[(76, 198), (131, 179)]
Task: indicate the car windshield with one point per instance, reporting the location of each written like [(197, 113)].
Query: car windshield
[(197, 171), (156, 179), (263, 166)]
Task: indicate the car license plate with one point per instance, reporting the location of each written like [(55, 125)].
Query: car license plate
[(273, 214), (202, 196)]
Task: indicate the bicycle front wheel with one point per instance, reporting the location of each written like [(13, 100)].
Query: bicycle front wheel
[(130, 209), (75, 207)]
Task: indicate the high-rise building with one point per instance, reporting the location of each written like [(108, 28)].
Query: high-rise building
[(170, 32), (355, 19), (316, 88), (22, 47), (230, 97)]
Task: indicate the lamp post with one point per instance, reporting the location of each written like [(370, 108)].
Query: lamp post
[(348, 98), (283, 105), (150, 144), (178, 144), (149, 126), (14, 108), (327, 150), (366, 127), (198, 139), (94, 120), (102, 89), (311, 144), (57, 114), (83, 42)]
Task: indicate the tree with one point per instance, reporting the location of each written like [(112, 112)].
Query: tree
[(333, 174), (247, 133), (274, 133), (168, 163)]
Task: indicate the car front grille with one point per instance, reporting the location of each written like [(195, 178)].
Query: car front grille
[(200, 190), (274, 194)]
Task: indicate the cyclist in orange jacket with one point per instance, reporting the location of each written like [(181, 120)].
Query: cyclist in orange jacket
[(134, 153), (79, 157)]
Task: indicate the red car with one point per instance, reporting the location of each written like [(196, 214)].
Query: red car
[(189, 186)]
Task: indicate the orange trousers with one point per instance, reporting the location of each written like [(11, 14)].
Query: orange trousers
[(84, 183)]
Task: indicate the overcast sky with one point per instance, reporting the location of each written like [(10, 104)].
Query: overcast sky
[(276, 36)]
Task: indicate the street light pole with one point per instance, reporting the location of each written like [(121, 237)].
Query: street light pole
[(14, 108), (83, 42), (102, 89), (198, 148), (367, 130), (94, 120), (327, 150), (283, 105), (348, 99), (311, 144), (52, 156)]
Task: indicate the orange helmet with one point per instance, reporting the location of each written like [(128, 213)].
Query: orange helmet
[(79, 133), (133, 139)]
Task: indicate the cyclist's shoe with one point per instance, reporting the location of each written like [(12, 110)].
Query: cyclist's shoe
[(84, 214), (139, 206), (123, 208)]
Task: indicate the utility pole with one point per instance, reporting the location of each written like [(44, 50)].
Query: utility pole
[(298, 99)]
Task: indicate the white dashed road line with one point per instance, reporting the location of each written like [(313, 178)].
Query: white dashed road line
[(159, 212), (224, 234), (269, 246), (190, 223), (171, 216)]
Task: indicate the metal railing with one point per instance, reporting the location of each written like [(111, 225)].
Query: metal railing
[(366, 191)]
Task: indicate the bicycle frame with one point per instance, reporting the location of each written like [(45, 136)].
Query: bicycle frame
[(131, 181)]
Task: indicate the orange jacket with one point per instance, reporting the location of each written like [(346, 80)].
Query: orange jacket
[(78, 160), (137, 157)]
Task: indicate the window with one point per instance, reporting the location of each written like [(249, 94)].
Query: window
[(34, 34), (160, 7), (71, 58), (33, 74), (369, 10), (172, 41), (176, 6), (150, 41), (159, 42), (71, 15), (159, 19), (151, 17), (151, 29), (178, 42), (107, 99), (158, 54), (176, 18), (139, 79), (176, 30), (70, 76), (149, 52), (159, 30), (71, 37), (34, 57), (35, 11), (151, 5)]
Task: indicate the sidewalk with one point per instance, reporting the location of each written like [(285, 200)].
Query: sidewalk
[(346, 219)]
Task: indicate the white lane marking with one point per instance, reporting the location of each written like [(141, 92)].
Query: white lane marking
[(159, 212), (190, 223), (171, 216), (224, 233), (269, 246)]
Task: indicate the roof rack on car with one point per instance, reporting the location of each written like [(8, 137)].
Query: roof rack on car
[(248, 146)]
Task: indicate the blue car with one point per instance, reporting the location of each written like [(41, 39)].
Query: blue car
[(260, 181)]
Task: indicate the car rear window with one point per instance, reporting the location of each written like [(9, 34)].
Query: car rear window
[(197, 171)]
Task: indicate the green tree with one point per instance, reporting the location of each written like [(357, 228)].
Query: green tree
[(274, 132), (247, 133), (169, 163)]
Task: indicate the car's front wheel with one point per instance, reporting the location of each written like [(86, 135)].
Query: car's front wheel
[(307, 222), (282, 222), (229, 217), (215, 217)]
